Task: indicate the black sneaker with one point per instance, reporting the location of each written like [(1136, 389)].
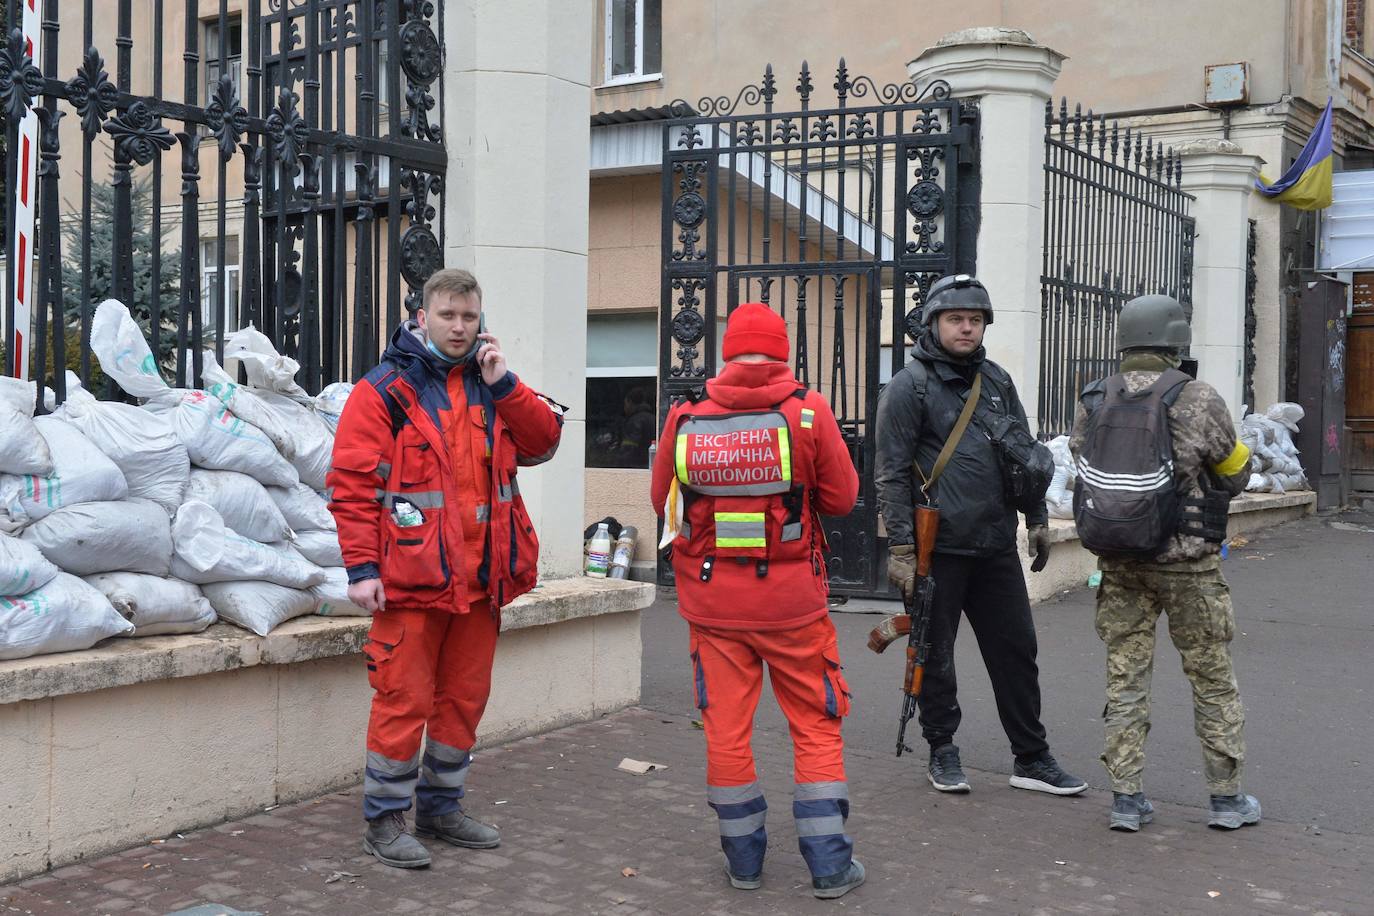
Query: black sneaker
[(1046, 775), (944, 771), (1231, 812), (1130, 811), (832, 886)]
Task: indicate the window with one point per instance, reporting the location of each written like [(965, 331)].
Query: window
[(634, 40), (233, 54), (622, 390), (209, 272)]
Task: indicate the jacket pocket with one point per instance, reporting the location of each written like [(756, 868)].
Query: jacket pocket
[(419, 464), (524, 548), (413, 557), (379, 647), (836, 687)]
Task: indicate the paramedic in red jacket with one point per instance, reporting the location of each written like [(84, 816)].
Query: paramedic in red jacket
[(750, 467), (437, 541)]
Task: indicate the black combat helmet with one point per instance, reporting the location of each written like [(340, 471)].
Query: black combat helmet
[(1154, 322), (958, 291)]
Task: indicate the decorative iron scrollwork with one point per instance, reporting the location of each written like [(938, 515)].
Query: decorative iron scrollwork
[(846, 87), (689, 210), (421, 54), (226, 117), (20, 79), (925, 199), (49, 147), (420, 255), (139, 134), (92, 93), (287, 128), (422, 60), (689, 327)]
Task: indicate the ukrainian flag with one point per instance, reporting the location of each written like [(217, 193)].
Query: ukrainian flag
[(1307, 183)]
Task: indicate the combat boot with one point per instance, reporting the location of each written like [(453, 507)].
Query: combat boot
[(459, 829), (388, 840), (1231, 812), (1130, 811), (832, 886)]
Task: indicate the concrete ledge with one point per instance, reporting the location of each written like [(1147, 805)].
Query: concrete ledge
[(225, 647), (1070, 564)]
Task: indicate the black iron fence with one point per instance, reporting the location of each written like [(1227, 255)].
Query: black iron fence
[(1116, 226), (1251, 321), (305, 138)]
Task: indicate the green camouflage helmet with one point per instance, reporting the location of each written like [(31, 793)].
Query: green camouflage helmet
[(1156, 322)]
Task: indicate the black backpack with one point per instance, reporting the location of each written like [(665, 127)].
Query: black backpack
[(1125, 501)]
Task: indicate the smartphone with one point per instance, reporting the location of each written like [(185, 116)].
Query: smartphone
[(481, 344)]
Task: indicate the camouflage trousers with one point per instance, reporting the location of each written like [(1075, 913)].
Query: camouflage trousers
[(1201, 624)]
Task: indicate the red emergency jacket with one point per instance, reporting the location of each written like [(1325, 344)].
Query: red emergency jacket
[(739, 562), (391, 446)]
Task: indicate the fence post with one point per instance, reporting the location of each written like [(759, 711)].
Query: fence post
[(1012, 77), (1221, 178)]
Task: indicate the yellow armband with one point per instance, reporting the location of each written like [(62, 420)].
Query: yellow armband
[(1234, 462)]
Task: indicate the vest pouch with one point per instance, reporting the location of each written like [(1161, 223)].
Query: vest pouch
[(741, 525)]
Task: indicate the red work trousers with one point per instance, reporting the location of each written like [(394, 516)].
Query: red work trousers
[(431, 670), (804, 668)]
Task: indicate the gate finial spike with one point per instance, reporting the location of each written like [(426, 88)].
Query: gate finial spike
[(1091, 123), (1077, 121), (1063, 115), (1116, 137), (804, 85), (842, 81), (770, 87), (1101, 136), (1049, 114)]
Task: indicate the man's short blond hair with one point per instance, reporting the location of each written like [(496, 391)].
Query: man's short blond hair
[(451, 280)]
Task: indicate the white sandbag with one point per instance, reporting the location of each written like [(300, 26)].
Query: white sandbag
[(242, 503), (81, 474), (1287, 413), (1059, 496), (332, 595), (217, 439), (155, 605), (207, 551), (62, 616), (329, 403), (133, 535), (303, 508), (22, 449), (23, 567), (142, 445), (319, 547), (117, 342), (258, 606), (299, 435), (261, 362)]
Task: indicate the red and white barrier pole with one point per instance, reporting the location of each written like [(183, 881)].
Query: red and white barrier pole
[(21, 253)]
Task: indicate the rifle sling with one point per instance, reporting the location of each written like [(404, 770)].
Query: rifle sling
[(957, 433)]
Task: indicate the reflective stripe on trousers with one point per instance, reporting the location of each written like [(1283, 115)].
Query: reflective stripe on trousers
[(820, 810), (741, 811), (435, 778)]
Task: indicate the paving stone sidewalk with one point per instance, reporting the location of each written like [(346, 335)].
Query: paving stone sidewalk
[(573, 824)]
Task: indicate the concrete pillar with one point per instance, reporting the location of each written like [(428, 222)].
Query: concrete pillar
[(517, 90), (1221, 177), (1012, 77)]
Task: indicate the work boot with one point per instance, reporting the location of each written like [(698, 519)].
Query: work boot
[(1046, 775), (388, 840), (744, 882), (1130, 811), (459, 829), (832, 886), (1231, 812), (944, 771)]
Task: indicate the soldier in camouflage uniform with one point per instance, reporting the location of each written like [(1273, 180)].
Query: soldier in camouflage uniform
[(1183, 581)]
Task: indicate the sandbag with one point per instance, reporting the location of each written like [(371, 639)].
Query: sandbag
[(329, 404), (219, 440), (303, 508), (64, 615), (332, 595), (142, 445), (1059, 497), (261, 362), (242, 502), (319, 547), (117, 342), (206, 551), (258, 606), (22, 449), (132, 535), (81, 474), (23, 567), (155, 605)]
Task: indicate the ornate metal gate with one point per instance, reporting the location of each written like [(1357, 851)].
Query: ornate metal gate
[(320, 111), (839, 216)]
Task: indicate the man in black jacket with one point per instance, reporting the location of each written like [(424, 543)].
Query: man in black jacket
[(976, 567)]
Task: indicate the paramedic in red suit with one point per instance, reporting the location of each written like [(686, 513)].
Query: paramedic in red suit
[(751, 465), (436, 540)]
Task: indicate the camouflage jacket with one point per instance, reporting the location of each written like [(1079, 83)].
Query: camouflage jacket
[(1203, 435)]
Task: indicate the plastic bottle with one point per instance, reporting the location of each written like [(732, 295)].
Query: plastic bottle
[(599, 552), (624, 552)]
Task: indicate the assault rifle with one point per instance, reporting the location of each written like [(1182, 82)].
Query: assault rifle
[(915, 623)]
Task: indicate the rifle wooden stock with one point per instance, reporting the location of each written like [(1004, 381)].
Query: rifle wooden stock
[(926, 526), (915, 674)]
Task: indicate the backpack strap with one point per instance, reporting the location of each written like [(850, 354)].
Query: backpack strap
[(957, 433)]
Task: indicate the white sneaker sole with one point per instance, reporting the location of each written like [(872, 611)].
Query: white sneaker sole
[(958, 787), (1036, 785)]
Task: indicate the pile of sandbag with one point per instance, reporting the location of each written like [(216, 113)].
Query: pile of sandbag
[(43, 609), (1274, 465)]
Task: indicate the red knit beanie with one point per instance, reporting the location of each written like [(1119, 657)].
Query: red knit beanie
[(755, 328)]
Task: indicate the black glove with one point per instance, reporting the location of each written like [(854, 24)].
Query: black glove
[(1038, 546), (901, 568)]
